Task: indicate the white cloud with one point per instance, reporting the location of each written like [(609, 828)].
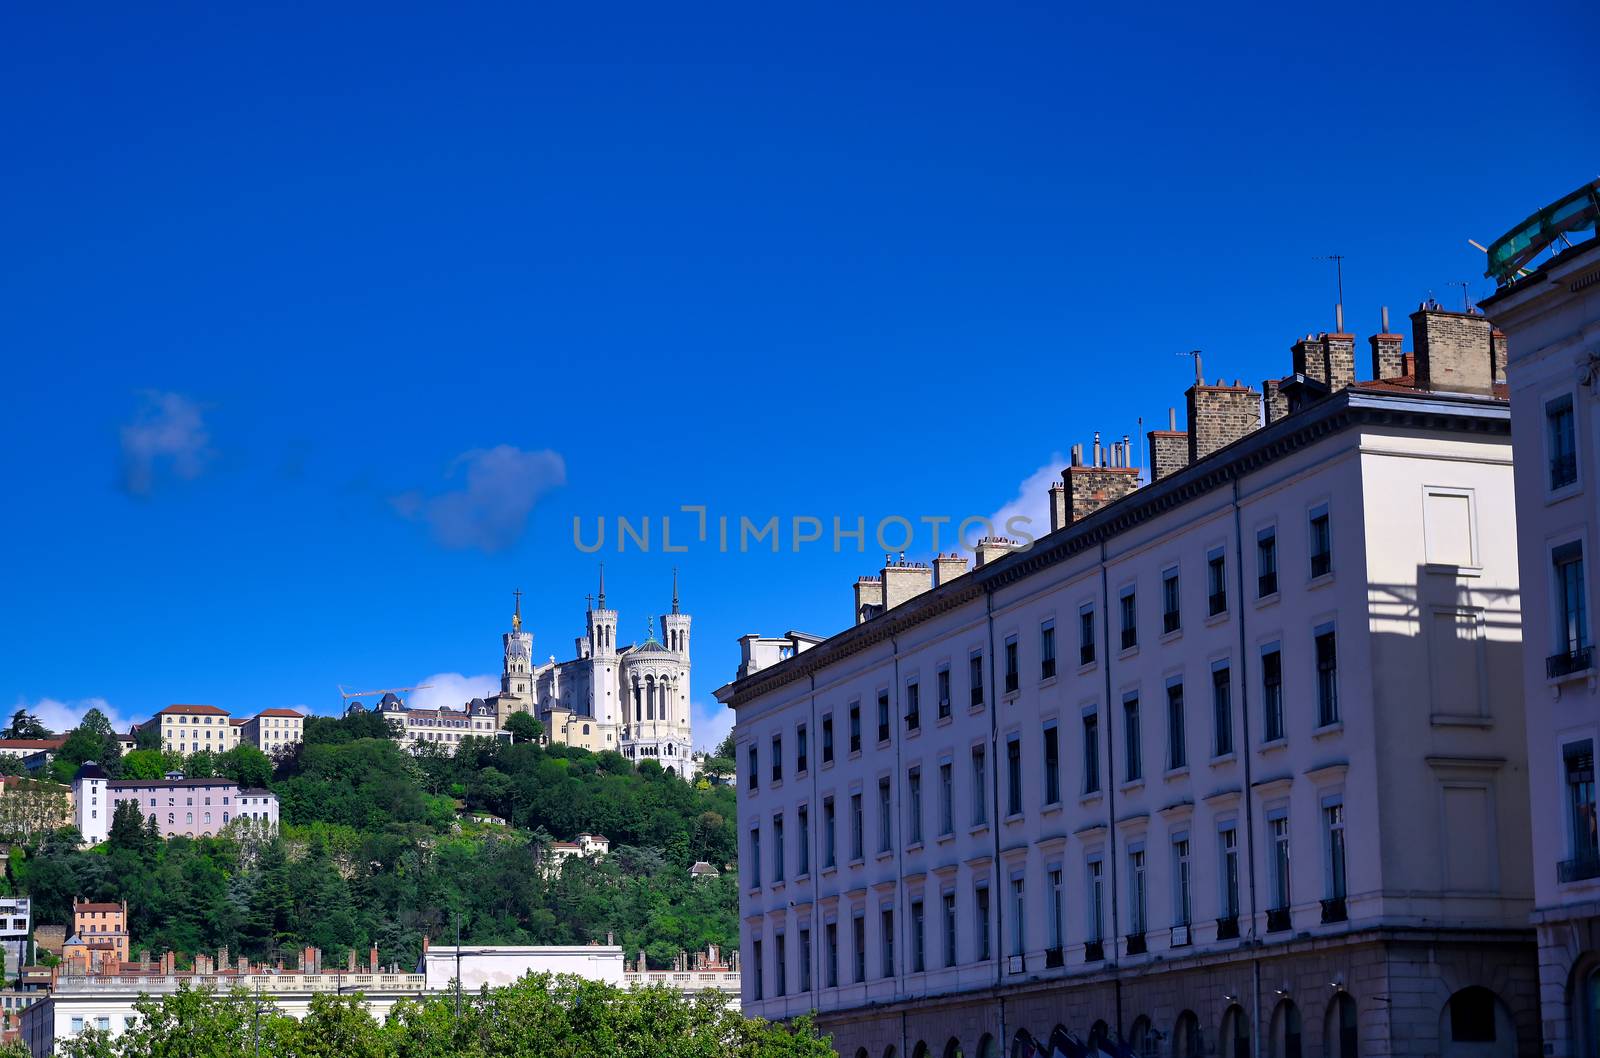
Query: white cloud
[(712, 721), (167, 438), (1028, 513), (62, 716), (490, 510), (452, 690)]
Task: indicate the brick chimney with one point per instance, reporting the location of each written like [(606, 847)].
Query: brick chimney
[(1091, 488), (372, 960), (1388, 351), (1453, 349), (1274, 405), (1219, 415), (1169, 448), (350, 961), (869, 598), (1058, 505), (1328, 358), (1497, 354), (947, 568), (991, 548), (904, 580)]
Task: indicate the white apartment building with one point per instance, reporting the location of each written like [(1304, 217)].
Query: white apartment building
[(274, 730), (16, 931), (1551, 317), (444, 727), (1231, 763)]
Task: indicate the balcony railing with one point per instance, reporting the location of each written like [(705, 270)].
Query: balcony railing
[(1094, 951), (1277, 919), (1565, 664), (1333, 909), (1053, 958), (1228, 928), (1136, 945), (1579, 868)]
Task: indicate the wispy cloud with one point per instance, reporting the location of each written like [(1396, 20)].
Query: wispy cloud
[(452, 690), (63, 715), (489, 510), (1031, 505), (711, 723), (166, 439)]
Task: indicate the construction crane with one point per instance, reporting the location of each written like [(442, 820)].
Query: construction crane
[(347, 695)]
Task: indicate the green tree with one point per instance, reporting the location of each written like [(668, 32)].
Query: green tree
[(524, 728), (25, 725), (245, 765), (144, 764)]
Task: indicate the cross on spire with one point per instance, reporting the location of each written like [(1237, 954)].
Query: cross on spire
[(516, 617)]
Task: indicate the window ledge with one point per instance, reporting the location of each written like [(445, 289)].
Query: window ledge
[(1446, 570), (1128, 652), (1013, 818), (855, 754), (885, 743), (1320, 582), (1565, 492), (1329, 730), (913, 732), (802, 878), (800, 774), (1175, 634), (977, 829), (1173, 774), (1223, 759), (885, 855), (945, 721), (1267, 600), (1274, 744), (1010, 696), (1093, 797), (857, 862), (827, 764), (1050, 809), (1460, 720), (775, 784), (974, 710), (1132, 785), (1220, 618), (1087, 666), (1047, 681), (915, 846), (776, 886), (945, 839)]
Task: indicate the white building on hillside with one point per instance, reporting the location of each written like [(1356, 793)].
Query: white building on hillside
[(1551, 317), (1222, 762)]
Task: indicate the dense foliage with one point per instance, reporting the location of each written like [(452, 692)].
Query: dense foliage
[(374, 849), (538, 1017)]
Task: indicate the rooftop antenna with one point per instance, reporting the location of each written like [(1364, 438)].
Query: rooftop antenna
[(1466, 300), (1338, 272), (1199, 379)]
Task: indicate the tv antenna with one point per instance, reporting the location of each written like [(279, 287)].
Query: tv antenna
[(1198, 377), (1466, 299), (1338, 275)]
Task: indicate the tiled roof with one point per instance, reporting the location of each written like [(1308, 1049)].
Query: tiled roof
[(33, 743), (193, 710), (281, 712)]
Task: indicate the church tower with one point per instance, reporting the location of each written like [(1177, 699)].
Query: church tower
[(602, 652), (516, 674), (675, 625)]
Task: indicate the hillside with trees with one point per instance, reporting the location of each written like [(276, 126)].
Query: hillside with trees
[(377, 846)]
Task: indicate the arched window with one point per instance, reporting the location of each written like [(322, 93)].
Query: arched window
[(861, 1052), (952, 1049), (1339, 1034), (1142, 1039), (1234, 1040), (1186, 1041), (988, 1047), (1022, 1045), (1472, 1017), (888, 1052), (1099, 1033), (920, 1050), (1286, 1035)]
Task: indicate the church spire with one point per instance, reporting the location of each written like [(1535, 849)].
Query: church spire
[(516, 616), (674, 589), (602, 599)]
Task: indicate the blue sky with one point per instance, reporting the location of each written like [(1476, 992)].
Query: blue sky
[(322, 326)]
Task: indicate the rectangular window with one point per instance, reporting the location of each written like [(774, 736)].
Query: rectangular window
[(803, 814), (918, 952), (980, 783), (1267, 562), (1171, 618), (1012, 675), (1182, 890), (947, 797), (1333, 831), (944, 693), (777, 758), (754, 767), (1131, 739), (1136, 892), (827, 738), (1058, 910), (949, 907), (777, 848), (1327, 678), (755, 857), (757, 987), (858, 931), (1228, 903), (975, 678), (981, 903), (1216, 583), (855, 727), (1563, 441), (1130, 620), (914, 805), (1052, 766), (885, 816), (828, 849), (1222, 708), (1091, 753), (883, 716), (800, 749), (1019, 910), (913, 706), (1572, 616), (1278, 838), (1321, 543), (830, 954), (1271, 694), (1047, 650), (1578, 758), (886, 942), (1177, 741), (805, 960), (780, 976), (1097, 900), (857, 825), (1086, 636), (1013, 776)]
